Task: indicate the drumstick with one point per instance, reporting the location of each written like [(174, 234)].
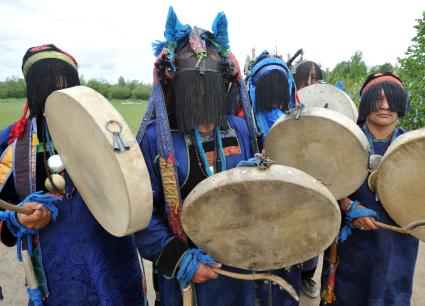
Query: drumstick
[(390, 227), (187, 292), (261, 276), (402, 230), (18, 209)]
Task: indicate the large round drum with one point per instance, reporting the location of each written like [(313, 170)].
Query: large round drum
[(330, 97), (261, 219), (328, 146), (114, 184), (401, 180)]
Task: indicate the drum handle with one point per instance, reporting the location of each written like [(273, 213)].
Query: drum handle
[(187, 292), (18, 209)]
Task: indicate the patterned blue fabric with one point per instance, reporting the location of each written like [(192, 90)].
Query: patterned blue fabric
[(19, 231), (85, 265), (375, 267), (223, 291), (249, 117)]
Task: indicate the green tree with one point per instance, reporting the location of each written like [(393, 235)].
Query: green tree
[(142, 92), (121, 81), (412, 72), (119, 92), (387, 67), (100, 85), (352, 73), (13, 87)]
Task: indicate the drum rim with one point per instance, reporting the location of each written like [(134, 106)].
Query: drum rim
[(311, 184), (130, 225)]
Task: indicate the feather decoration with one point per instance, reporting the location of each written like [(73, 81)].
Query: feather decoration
[(174, 32), (219, 29)]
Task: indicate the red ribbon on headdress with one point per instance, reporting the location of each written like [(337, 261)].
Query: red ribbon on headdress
[(19, 128)]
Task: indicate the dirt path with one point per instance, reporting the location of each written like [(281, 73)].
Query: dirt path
[(12, 280)]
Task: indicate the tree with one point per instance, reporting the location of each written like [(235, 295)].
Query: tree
[(142, 92), (119, 92), (387, 67), (121, 81), (13, 87), (412, 72), (352, 73), (100, 85)]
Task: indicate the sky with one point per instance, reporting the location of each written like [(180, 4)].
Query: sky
[(110, 39)]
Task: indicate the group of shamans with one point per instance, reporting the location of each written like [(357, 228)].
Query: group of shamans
[(77, 262)]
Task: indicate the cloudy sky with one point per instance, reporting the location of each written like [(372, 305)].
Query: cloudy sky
[(113, 38)]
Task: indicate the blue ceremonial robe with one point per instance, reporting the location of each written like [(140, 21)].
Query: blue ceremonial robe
[(375, 267), (81, 263), (150, 241)]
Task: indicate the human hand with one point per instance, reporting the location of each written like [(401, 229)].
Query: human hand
[(38, 219), (365, 223), (205, 273)]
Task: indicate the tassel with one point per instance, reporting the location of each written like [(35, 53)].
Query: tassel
[(271, 91), (328, 295), (19, 128)]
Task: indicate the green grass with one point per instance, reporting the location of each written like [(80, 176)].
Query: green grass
[(132, 111)]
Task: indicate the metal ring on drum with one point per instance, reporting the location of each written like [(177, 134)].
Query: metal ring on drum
[(323, 143), (329, 97), (114, 184)]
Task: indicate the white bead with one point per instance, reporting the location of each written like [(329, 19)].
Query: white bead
[(58, 180), (55, 164)]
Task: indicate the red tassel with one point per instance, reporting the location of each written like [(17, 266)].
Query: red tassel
[(19, 128)]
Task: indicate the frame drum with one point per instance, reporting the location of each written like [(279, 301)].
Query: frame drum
[(114, 184), (400, 180), (330, 97), (328, 146), (261, 219)]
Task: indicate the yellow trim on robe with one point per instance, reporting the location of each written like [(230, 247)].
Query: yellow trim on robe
[(34, 145), (6, 164)]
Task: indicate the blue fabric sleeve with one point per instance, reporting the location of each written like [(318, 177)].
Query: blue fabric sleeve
[(151, 240), (4, 137), (243, 134)]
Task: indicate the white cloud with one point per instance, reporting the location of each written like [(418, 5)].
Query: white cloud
[(113, 38)]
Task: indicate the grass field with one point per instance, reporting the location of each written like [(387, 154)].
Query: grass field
[(131, 110)]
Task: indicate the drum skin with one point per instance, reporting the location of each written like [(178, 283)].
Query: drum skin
[(114, 185), (319, 95), (401, 180), (323, 143), (261, 219)]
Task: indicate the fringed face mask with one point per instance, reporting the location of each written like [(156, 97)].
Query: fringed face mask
[(200, 93), (46, 69), (272, 90)]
